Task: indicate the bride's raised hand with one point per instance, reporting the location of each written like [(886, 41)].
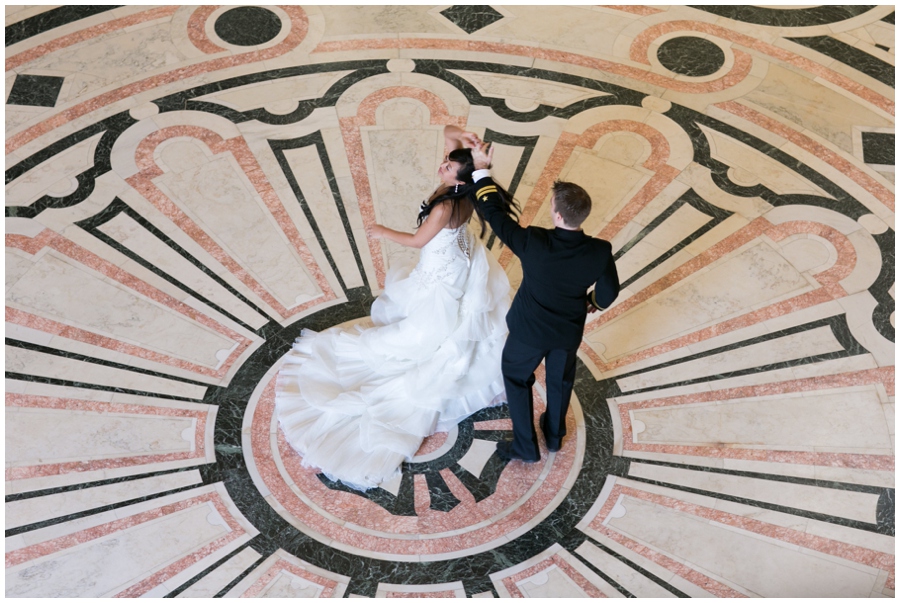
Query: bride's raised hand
[(482, 155), (470, 140)]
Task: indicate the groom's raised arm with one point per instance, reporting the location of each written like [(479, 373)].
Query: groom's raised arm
[(504, 226)]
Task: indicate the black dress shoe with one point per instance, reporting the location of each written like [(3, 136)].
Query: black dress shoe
[(505, 451), (553, 444)]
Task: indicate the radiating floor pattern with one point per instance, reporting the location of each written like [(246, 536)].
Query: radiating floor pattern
[(189, 187)]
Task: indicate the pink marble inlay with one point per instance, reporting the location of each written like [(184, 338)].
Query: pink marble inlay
[(299, 27), (196, 30), (48, 547), (272, 573), (556, 560), (43, 470), (350, 130), (857, 461), (237, 147), (432, 443), (440, 532), (857, 554), (48, 238), (643, 11), (641, 44), (805, 142), (829, 290)]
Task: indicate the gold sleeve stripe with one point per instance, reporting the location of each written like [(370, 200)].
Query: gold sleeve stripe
[(594, 300), (485, 190)]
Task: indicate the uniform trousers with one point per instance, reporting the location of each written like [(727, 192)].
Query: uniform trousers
[(519, 362)]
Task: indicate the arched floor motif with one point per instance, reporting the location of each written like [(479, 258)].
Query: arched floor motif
[(189, 187)]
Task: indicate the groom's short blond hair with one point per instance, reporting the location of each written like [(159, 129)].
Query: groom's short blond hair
[(572, 202)]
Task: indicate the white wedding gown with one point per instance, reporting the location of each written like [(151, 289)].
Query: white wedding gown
[(356, 403)]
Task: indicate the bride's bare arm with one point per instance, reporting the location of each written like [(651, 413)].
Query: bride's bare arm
[(437, 219), (457, 138)]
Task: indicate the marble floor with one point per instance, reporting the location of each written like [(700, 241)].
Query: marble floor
[(187, 187)]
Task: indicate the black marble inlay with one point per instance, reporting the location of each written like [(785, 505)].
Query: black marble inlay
[(35, 90), (471, 18), (888, 19), (849, 55), (690, 55), (32, 26), (878, 148), (881, 288), (786, 17), (248, 25), (884, 48), (884, 512)]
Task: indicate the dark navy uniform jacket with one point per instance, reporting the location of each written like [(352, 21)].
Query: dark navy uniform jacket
[(559, 266)]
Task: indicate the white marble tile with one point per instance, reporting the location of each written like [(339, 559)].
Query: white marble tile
[(106, 565), (859, 506), (754, 276), (210, 584), (29, 362), (848, 420), (139, 240), (778, 569), (41, 436), (217, 195), (629, 578), (477, 456), (31, 510), (59, 288), (790, 347)]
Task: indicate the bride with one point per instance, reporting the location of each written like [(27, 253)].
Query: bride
[(355, 403)]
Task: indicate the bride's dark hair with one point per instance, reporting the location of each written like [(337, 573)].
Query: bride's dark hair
[(463, 198)]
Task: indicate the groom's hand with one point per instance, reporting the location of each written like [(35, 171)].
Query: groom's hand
[(482, 154)]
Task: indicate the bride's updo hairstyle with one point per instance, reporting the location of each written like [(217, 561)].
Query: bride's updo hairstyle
[(463, 198)]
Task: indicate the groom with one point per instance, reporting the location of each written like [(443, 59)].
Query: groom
[(546, 320)]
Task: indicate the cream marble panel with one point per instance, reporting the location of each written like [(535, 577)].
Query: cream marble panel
[(684, 221), (751, 167), (300, 584), (59, 289), (219, 198), (790, 347), (809, 253), (477, 456), (286, 584), (749, 278), (777, 570), (56, 176), (526, 89), (859, 506), (307, 168), (113, 58), (403, 170), (551, 582), (31, 510), (210, 584), (812, 106), (576, 28), (18, 263), (29, 362), (609, 183), (41, 436), (847, 420), (633, 581), (278, 94), (342, 21), (138, 239), (106, 565)]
